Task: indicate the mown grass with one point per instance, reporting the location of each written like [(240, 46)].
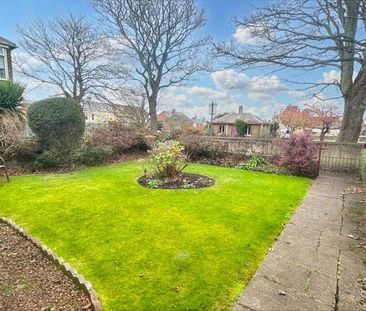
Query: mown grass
[(148, 249)]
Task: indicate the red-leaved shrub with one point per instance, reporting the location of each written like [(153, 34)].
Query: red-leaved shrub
[(298, 154), (118, 136)]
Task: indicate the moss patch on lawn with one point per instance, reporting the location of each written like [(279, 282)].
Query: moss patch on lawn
[(148, 249)]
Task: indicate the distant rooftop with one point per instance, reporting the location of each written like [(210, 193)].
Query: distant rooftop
[(248, 118), (8, 43), (173, 114)]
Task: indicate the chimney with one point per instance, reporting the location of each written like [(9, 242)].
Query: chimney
[(241, 109)]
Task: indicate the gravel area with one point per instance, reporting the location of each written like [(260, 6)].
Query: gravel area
[(30, 281)]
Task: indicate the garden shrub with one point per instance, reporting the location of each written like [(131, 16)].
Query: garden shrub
[(11, 95), (298, 154), (46, 159), (119, 137), (92, 155), (11, 133), (363, 165), (166, 159), (27, 152), (59, 125), (196, 147)]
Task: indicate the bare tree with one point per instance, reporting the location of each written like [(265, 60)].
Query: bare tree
[(307, 35), (158, 36), (66, 52)]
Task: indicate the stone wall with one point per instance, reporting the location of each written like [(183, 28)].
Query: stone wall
[(334, 156)]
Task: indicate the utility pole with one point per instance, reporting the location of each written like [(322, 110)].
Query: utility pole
[(212, 111)]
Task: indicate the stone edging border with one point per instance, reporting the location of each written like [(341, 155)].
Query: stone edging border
[(77, 278)]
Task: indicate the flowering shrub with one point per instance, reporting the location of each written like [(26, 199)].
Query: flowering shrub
[(298, 154), (166, 159)]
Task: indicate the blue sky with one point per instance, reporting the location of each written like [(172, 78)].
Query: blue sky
[(265, 95)]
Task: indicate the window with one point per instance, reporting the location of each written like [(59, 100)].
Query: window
[(222, 129), (92, 117), (248, 130), (2, 63)]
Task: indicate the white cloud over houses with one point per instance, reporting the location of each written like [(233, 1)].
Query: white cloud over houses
[(229, 79)]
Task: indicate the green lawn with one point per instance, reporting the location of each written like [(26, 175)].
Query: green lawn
[(196, 249)]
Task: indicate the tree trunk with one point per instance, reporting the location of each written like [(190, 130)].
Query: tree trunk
[(352, 119), (152, 113)]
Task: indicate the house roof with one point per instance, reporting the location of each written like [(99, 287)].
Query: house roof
[(165, 115), (8, 43), (248, 118)]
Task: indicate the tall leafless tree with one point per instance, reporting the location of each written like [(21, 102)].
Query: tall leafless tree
[(66, 52), (159, 37), (308, 35)]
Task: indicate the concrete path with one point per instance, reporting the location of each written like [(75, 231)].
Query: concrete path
[(318, 262)]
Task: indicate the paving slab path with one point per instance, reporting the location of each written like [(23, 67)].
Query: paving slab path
[(319, 260)]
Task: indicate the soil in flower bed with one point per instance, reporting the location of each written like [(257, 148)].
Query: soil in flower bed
[(30, 281), (184, 181)]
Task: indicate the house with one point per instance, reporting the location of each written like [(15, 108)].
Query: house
[(225, 125), (174, 119), (97, 113), (6, 68)]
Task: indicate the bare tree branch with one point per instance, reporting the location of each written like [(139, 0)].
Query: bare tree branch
[(69, 53), (160, 36)]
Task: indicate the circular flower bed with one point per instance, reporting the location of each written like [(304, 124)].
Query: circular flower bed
[(183, 181)]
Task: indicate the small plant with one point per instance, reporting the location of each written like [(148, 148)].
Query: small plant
[(166, 159), (254, 161), (154, 183)]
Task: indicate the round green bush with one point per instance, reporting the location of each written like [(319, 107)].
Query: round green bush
[(59, 125), (57, 122)]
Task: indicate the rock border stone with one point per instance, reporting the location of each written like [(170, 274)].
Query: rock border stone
[(77, 278)]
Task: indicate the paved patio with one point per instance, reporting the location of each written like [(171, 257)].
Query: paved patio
[(318, 262)]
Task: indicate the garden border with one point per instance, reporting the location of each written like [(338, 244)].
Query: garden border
[(66, 268)]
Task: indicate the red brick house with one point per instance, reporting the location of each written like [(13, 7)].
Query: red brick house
[(6, 68)]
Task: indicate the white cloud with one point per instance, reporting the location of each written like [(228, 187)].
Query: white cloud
[(298, 95), (243, 35), (229, 79), (259, 96), (265, 83), (264, 87), (332, 76), (208, 93)]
